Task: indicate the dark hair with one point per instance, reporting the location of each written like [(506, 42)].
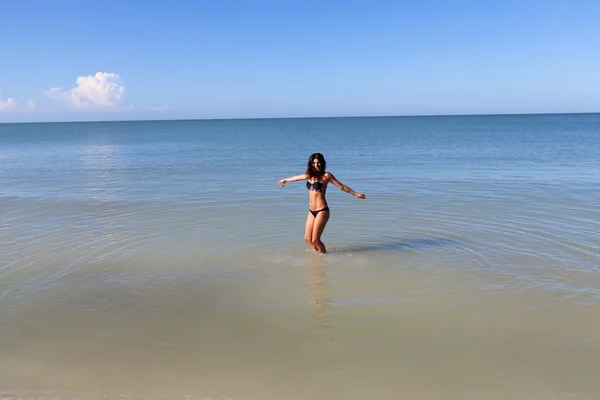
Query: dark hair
[(311, 173)]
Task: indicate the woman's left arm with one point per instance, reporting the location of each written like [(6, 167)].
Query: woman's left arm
[(344, 188)]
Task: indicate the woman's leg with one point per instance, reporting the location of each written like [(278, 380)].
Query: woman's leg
[(318, 228), (310, 220)]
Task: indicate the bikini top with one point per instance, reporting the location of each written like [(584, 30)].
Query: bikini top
[(315, 187)]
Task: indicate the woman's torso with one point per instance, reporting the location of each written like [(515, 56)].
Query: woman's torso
[(316, 192)]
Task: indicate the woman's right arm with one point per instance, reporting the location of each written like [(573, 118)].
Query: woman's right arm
[(291, 179)]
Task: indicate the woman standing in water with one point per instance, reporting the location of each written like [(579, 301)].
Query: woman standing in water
[(318, 211)]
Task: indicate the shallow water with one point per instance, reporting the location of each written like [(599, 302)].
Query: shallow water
[(160, 260)]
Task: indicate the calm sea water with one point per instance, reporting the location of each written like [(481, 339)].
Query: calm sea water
[(161, 260)]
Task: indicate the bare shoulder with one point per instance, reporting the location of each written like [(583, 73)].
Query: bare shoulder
[(330, 178)]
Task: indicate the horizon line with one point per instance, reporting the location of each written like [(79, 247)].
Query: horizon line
[(304, 117)]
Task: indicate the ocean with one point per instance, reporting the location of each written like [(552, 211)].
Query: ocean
[(160, 260)]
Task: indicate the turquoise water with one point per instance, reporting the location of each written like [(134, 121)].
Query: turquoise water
[(479, 233)]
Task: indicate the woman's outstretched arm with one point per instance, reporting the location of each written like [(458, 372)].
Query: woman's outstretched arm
[(291, 179), (345, 188)]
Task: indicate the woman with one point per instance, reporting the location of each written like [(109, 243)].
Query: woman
[(318, 211)]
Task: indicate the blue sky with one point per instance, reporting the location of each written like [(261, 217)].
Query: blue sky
[(119, 60)]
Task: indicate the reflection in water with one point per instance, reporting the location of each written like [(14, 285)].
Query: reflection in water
[(318, 298), (98, 157), (325, 360), (100, 171)]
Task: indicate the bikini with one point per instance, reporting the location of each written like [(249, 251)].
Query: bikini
[(316, 187)]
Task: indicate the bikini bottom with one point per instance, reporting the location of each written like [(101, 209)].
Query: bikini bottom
[(314, 213)]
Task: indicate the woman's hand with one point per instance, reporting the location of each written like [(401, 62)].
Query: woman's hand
[(361, 196), (281, 183)]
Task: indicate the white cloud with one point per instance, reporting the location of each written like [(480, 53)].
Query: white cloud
[(159, 108), (9, 104), (52, 91), (101, 91)]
